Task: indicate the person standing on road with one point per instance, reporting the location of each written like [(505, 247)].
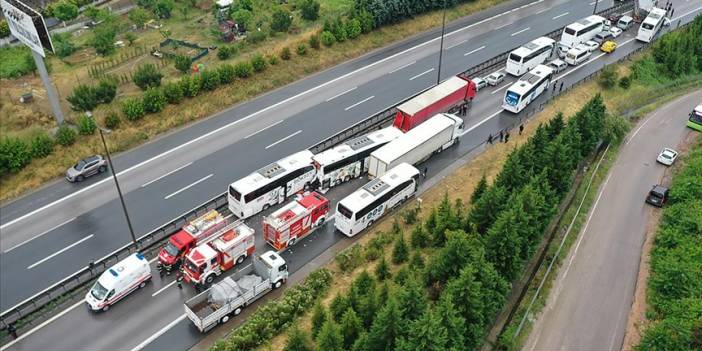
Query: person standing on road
[(560, 88), (521, 129), (506, 137), (12, 331), (425, 172), (490, 139), (502, 136)]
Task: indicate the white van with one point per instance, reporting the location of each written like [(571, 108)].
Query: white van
[(577, 55), (625, 23), (117, 282)]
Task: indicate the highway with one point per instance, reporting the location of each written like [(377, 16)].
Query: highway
[(56, 231), (152, 318), (594, 290)]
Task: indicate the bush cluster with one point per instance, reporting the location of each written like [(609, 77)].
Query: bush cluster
[(147, 76), (86, 97), (86, 125), (65, 135)]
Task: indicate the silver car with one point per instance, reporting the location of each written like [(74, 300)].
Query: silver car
[(85, 168)]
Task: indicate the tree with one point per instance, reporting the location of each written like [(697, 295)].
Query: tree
[(417, 261), (412, 300), (133, 109), (301, 49), (297, 341), (42, 145), (138, 16), (154, 100), (425, 334), (65, 135), (419, 238), (503, 243), (460, 249), (353, 28), (14, 154), (319, 316), (483, 212), (242, 17), (351, 327), (163, 8), (625, 82), (281, 19), (147, 76), (382, 270), (608, 77), (452, 321), (338, 306), (4, 29), (182, 63), (339, 30), (86, 125), (83, 98), (62, 44), (314, 41), (400, 252), (106, 91), (226, 73), (309, 9), (480, 189), (555, 126), (385, 328), (103, 39), (210, 79), (65, 10), (330, 338), (328, 38)]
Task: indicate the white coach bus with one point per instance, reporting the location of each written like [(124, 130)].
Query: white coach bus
[(363, 207), (350, 159), (580, 32), (271, 184), (652, 25), (528, 56), (527, 88)]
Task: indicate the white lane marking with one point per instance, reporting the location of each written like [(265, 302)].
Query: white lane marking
[(598, 1), (339, 94), (168, 152), (500, 88), (33, 330), (284, 139), (561, 15), (401, 67), (520, 32), (502, 26), (457, 44), (166, 175), (616, 330), (60, 251), (189, 186), (480, 123), (421, 74), (639, 129), (541, 11), (164, 288), (159, 333), (474, 51), (153, 259), (260, 130), (28, 240)]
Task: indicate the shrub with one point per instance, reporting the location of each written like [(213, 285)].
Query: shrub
[(191, 85), (400, 252), (14, 155), (608, 77), (309, 9), (367, 21), (86, 125), (154, 100), (65, 10), (133, 109), (301, 49), (256, 36), (163, 8), (65, 135), (147, 76), (42, 145), (242, 17), (281, 19), (410, 215), (243, 69), (314, 41), (226, 73), (382, 270), (138, 16), (62, 44), (339, 30), (228, 51), (182, 63), (173, 93), (350, 258), (285, 53), (106, 91), (258, 63), (83, 98), (112, 120), (273, 60), (353, 28), (4, 29), (625, 82), (328, 38), (210, 79), (16, 62)]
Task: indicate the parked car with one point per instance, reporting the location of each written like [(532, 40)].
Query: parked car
[(658, 196), (667, 156), (591, 45), (616, 31), (85, 168), (557, 65), (479, 83), (495, 78), (608, 46)]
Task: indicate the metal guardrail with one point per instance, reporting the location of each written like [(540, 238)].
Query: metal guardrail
[(148, 243)]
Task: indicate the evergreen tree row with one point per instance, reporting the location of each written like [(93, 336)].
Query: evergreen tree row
[(391, 11)]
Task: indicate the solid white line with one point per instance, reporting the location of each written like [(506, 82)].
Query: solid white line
[(167, 174), (57, 316), (561, 15), (457, 44), (421, 74), (480, 123), (159, 333), (500, 88), (639, 129), (260, 130), (189, 186), (473, 51), (685, 14), (60, 251), (339, 94), (28, 240), (519, 32), (403, 66), (164, 288), (284, 139)]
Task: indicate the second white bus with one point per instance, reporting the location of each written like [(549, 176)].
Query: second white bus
[(271, 184), (350, 159), (363, 207), (527, 88), (528, 56), (652, 25), (580, 32)]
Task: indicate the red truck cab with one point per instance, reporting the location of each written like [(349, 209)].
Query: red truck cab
[(178, 245)]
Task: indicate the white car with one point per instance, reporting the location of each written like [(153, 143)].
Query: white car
[(667, 156), (616, 31), (557, 65), (479, 83), (495, 78), (591, 45)]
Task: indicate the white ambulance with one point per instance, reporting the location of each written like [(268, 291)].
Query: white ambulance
[(117, 282)]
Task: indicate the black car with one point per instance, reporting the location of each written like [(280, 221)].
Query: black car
[(85, 168), (657, 196)]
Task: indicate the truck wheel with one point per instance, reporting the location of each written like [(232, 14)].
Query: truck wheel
[(107, 307), (142, 285), (240, 259), (292, 242), (320, 222), (209, 279), (277, 284), (237, 311), (224, 319)]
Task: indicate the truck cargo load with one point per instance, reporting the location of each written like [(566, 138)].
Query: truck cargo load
[(449, 93), (417, 145)]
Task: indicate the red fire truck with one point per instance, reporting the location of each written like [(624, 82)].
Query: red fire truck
[(226, 248), (178, 245), (294, 221)]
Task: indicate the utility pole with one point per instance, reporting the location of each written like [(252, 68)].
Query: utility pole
[(50, 89), (441, 47), (595, 10)]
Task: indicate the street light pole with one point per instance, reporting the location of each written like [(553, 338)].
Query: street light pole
[(441, 48), (595, 10), (119, 191)]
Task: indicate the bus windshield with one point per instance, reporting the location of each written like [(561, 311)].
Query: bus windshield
[(696, 118), (345, 211), (235, 194), (570, 31), (515, 58), (512, 98)]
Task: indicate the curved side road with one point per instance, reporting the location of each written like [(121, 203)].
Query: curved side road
[(592, 295)]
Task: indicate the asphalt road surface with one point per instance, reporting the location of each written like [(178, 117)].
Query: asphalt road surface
[(56, 231), (593, 293), (155, 314)]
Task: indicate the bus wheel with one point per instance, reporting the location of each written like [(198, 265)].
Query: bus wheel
[(370, 223)]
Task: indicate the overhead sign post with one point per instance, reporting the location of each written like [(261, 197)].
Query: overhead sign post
[(28, 26)]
